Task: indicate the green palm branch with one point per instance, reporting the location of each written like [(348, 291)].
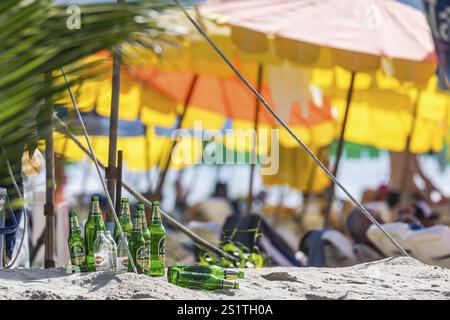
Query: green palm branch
[(35, 42)]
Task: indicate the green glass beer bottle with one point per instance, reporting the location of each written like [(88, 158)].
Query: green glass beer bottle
[(93, 224), (204, 281), (76, 244), (145, 231), (157, 238), (136, 245), (216, 271), (124, 220)]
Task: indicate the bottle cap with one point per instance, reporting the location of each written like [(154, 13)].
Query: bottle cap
[(95, 198), (155, 203), (140, 206), (73, 213), (125, 200), (240, 274)]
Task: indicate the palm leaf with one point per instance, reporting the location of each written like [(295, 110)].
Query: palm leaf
[(35, 41)]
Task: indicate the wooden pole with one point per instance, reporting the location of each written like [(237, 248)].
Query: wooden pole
[(340, 148), (148, 157), (49, 207), (119, 180), (310, 184), (255, 142), (407, 152), (111, 172), (163, 174)]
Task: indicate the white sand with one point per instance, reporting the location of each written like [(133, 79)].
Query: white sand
[(397, 278)]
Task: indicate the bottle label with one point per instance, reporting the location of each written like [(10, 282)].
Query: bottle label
[(77, 254), (143, 256), (162, 250), (122, 264), (102, 262)]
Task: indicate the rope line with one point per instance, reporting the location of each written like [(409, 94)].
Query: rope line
[(284, 124)]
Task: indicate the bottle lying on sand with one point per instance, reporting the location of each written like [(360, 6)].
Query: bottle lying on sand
[(216, 271), (76, 244), (205, 281)]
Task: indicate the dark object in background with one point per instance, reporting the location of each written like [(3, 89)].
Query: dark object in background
[(437, 12), (242, 228)]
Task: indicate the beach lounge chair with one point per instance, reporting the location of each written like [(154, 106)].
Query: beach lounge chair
[(398, 231), (327, 248), (430, 245)]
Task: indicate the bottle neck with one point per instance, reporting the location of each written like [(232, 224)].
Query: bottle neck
[(230, 274), (137, 225), (230, 284), (125, 212), (74, 225), (156, 215), (144, 219), (95, 210)]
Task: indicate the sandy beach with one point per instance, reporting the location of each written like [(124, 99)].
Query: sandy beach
[(394, 278)]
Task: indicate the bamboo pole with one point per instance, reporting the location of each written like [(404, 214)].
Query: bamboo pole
[(119, 180), (111, 172), (49, 207), (187, 100), (340, 148), (255, 142), (148, 150), (172, 221)]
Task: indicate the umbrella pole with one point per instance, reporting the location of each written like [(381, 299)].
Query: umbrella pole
[(340, 148), (163, 174), (310, 184), (255, 143), (148, 158), (49, 207), (407, 153), (111, 172), (119, 180)]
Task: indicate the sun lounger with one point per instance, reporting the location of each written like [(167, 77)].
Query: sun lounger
[(397, 230), (430, 245)]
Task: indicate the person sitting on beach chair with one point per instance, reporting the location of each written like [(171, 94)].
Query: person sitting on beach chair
[(357, 225)]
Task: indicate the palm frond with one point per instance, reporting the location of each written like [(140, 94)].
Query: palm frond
[(35, 41)]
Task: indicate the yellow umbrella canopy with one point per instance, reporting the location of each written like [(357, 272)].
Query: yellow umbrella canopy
[(299, 171), (382, 114)]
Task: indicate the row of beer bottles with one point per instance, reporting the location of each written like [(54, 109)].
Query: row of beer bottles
[(98, 251)]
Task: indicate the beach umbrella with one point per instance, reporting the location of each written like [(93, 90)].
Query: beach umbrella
[(161, 95), (360, 36)]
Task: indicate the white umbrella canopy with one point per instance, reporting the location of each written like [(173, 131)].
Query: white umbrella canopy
[(358, 35)]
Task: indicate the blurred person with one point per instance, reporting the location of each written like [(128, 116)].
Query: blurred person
[(407, 215), (377, 200), (356, 225), (181, 195), (418, 216), (221, 192), (397, 162), (15, 185)]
